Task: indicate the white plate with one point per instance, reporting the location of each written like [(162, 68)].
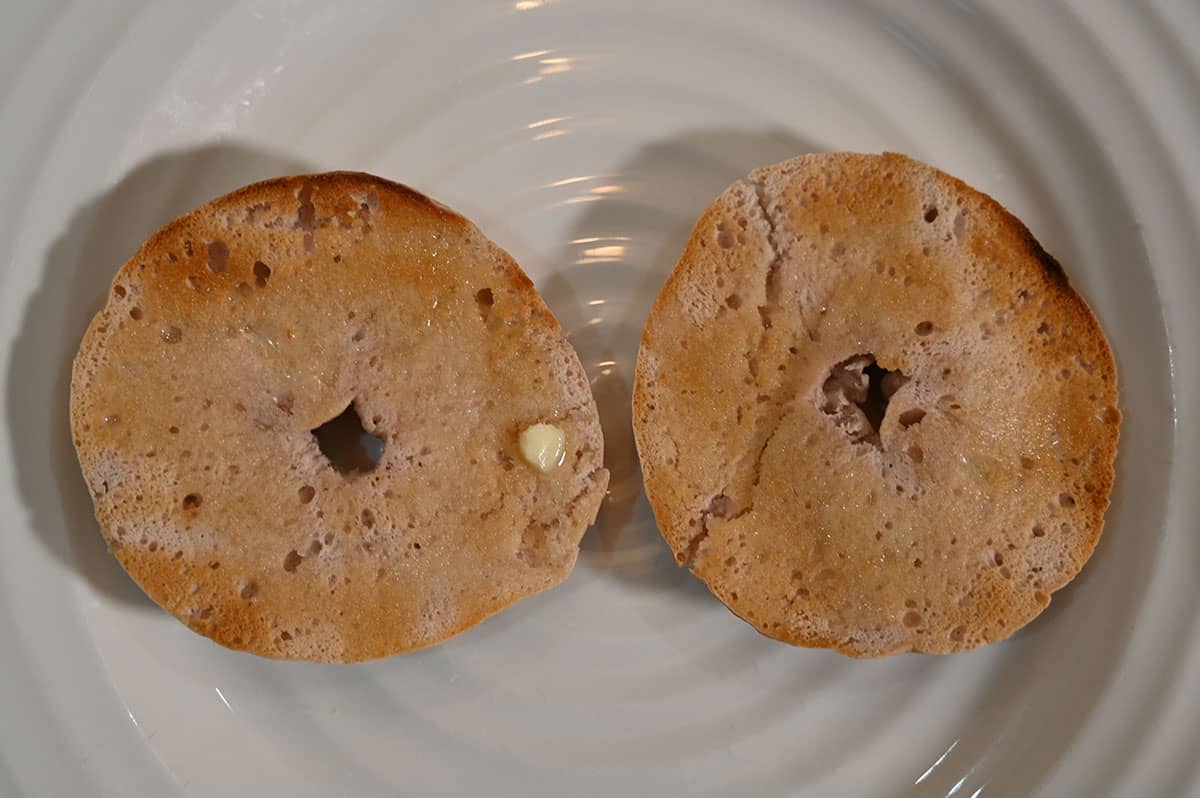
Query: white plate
[(585, 138)]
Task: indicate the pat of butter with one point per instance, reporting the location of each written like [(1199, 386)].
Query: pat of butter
[(544, 446)]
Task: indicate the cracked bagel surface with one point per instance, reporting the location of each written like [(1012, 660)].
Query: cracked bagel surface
[(871, 412), (242, 327)]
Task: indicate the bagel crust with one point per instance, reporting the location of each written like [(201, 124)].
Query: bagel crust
[(871, 412), (239, 329)]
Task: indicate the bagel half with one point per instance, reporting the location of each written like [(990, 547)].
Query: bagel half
[(242, 327), (871, 412)]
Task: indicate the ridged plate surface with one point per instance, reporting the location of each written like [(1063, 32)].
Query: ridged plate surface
[(585, 137)]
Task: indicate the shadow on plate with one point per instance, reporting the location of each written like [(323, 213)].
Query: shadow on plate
[(615, 260), (79, 267)]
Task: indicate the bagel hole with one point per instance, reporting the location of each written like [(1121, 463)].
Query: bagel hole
[(875, 405), (349, 448), (856, 393)]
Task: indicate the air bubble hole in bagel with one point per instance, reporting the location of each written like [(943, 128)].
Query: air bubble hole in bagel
[(484, 299)]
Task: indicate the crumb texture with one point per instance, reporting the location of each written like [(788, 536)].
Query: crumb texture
[(290, 307), (871, 412)]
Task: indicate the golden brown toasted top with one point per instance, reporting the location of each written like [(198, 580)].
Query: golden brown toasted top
[(238, 329), (872, 414)]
